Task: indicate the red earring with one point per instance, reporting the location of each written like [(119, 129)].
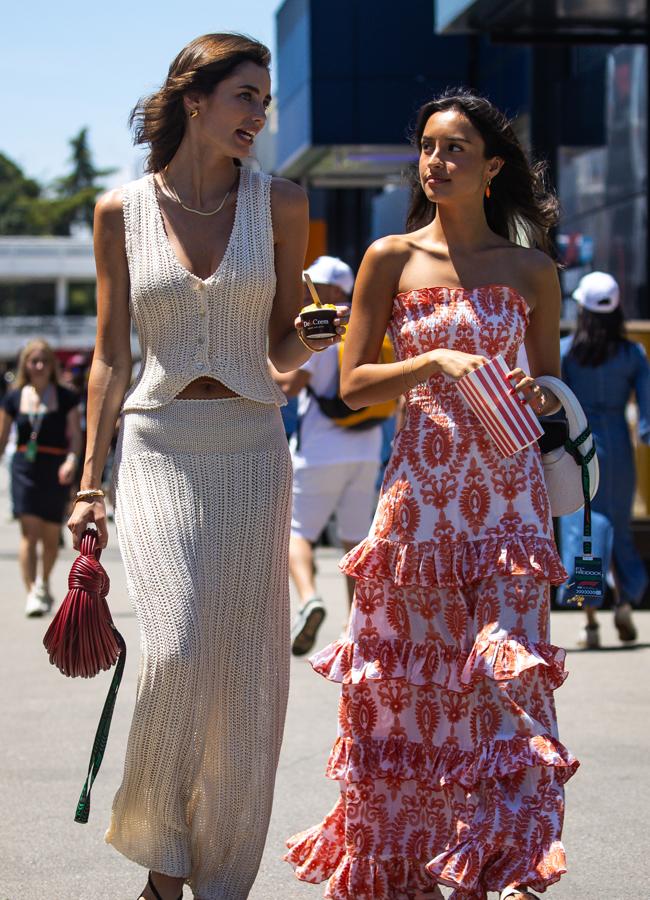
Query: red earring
[(487, 190)]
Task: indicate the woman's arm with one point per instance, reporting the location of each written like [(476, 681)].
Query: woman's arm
[(542, 339), (68, 468), (290, 383), (642, 393), (5, 429), (110, 372), (290, 211), (363, 380)]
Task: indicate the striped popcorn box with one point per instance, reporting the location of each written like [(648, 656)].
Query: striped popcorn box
[(511, 424)]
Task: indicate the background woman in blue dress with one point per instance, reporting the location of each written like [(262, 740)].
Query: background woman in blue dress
[(605, 370)]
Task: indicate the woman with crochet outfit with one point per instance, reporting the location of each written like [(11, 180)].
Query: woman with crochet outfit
[(448, 758), (205, 255)]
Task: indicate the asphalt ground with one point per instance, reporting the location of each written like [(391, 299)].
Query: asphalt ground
[(47, 723)]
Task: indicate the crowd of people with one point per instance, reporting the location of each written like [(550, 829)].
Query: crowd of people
[(448, 756)]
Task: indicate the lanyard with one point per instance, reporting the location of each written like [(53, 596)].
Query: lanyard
[(35, 422), (573, 447)]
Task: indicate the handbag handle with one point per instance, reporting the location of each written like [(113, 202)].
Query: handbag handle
[(577, 421), (90, 544)]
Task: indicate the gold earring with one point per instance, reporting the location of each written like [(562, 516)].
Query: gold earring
[(487, 189), (194, 113)]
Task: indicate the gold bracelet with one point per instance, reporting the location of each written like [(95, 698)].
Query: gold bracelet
[(406, 380), (303, 341), (404, 375), (91, 494), (411, 373)]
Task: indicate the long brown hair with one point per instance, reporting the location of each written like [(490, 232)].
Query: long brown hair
[(598, 336), (159, 120), (521, 208), (22, 378)]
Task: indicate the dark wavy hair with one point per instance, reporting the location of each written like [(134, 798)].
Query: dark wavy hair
[(159, 120), (521, 207), (598, 336)]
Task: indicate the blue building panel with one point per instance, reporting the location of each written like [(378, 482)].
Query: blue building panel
[(294, 77), (504, 74), (448, 11)]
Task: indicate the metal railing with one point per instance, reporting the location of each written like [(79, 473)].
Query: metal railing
[(62, 332)]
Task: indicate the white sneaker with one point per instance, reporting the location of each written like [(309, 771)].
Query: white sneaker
[(36, 605), (305, 628), (42, 591), (589, 637)]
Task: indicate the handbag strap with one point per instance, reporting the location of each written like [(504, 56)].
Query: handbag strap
[(90, 548), (101, 736), (573, 448)]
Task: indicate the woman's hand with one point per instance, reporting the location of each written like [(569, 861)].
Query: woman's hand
[(541, 401), (454, 363), (341, 321), (85, 513), (67, 471)]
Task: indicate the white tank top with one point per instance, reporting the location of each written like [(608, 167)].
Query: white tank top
[(191, 327)]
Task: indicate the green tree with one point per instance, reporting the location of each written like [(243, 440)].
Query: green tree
[(19, 197), (27, 207), (77, 192)]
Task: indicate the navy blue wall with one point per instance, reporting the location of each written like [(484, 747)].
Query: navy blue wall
[(355, 71), (373, 64)]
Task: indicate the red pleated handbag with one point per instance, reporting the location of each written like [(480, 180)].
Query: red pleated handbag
[(83, 641)]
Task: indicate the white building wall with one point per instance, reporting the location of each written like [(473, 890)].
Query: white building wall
[(55, 259)]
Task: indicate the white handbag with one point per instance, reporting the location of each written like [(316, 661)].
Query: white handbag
[(570, 471)]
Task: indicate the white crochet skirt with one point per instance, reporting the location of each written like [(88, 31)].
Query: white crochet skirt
[(203, 494)]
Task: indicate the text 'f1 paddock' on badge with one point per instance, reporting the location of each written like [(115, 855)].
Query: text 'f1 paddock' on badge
[(586, 588)]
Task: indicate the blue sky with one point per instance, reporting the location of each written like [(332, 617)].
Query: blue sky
[(69, 64)]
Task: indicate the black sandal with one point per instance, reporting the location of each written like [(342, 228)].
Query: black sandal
[(153, 887)]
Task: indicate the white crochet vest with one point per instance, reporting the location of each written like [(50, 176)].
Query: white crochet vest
[(191, 327)]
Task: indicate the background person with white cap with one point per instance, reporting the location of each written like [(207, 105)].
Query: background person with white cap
[(605, 370), (334, 467)]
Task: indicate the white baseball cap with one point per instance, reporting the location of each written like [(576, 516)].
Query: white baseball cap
[(598, 292), (332, 270)]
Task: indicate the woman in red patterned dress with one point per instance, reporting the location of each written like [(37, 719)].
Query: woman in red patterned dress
[(448, 758)]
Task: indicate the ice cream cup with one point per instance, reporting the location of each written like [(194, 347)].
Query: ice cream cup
[(318, 321)]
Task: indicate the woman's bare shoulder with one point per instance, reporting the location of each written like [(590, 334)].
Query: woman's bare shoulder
[(392, 249), (538, 273), (382, 265), (289, 206), (108, 208), (109, 233), (286, 194), (531, 271), (535, 261)]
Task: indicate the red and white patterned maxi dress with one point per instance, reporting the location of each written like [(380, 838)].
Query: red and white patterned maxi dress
[(447, 754)]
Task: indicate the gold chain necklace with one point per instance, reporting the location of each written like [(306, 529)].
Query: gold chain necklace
[(174, 195)]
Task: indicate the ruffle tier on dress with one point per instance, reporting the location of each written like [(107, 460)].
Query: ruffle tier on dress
[(454, 563)]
